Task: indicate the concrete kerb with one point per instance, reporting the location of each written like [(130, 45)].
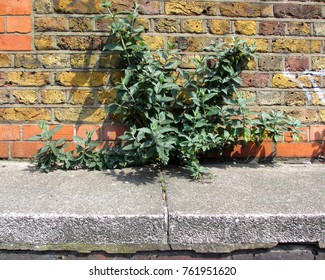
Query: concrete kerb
[(240, 207)]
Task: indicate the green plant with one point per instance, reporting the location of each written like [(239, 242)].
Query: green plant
[(53, 154), (170, 120)]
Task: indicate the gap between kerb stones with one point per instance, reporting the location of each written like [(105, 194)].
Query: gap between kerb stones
[(164, 186)]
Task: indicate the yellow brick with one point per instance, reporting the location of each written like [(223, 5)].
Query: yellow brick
[(83, 60), (53, 96), (54, 60), (190, 8), (110, 61), (116, 77), (190, 44), (24, 114), (262, 45), (295, 99), (28, 78), (293, 81), (219, 27), (82, 79), (296, 46), (154, 42), (26, 61), (83, 97), (106, 96), (25, 96), (322, 115), (43, 42), (5, 60), (95, 115), (166, 25), (192, 26), (317, 99), (246, 27), (318, 63)]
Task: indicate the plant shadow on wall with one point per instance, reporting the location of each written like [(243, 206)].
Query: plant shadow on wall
[(172, 115)]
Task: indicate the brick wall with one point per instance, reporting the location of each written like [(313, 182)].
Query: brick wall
[(52, 67)]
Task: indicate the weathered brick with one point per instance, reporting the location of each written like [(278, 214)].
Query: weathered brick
[(147, 7), (25, 96), (272, 28), (241, 9), (79, 42), (50, 24), (190, 8), (305, 115), (4, 97), (297, 11), (53, 96), (255, 80), (3, 78), (5, 60), (295, 99), (299, 28), (294, 81), (219, 27), (317, 99), (166, 25), (9, 132), (29, 61), (54, 60), (192, 26), (116, 77), (78, 7), (43, 6), (85, 79), (44, 42), (319, 28), (296, 63), (80, 24), (190, 44), (82, 97), (322, 115), (318, 63), (268, 98), (246, 27), (154, 42), (110, 60), (28, 78), (91, 115), (106, 96), (24, 114), (273, 63), (261, 45), (296, 46)]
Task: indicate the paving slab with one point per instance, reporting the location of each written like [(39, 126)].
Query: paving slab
[(114, 211), (246, 206)]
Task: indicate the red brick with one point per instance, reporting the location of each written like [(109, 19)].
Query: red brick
[(317, 132), (112, 132), (25, 149), (65, 132), (21, 24), (9, 132), (303, 136), (299, 150), (15, 7), (297, 11), (2, 24), (4, 148), (272, 28), (296, 63), (264, 150), (30, 130), (255, 80), (81, 131), (11, 42)]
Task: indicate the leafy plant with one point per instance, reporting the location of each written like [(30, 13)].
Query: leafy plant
[(170, 120)]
